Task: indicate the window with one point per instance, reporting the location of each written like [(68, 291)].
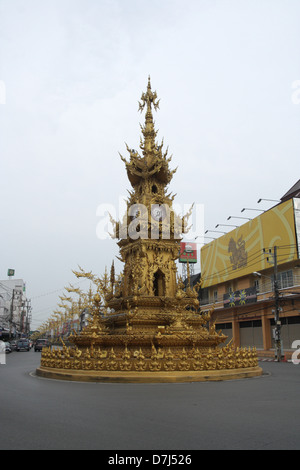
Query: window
[(285, 279), (159, 284), (224, 326), (204, 297), (250, 324)]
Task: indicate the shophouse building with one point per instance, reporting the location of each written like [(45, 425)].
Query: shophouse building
[(253, 271)]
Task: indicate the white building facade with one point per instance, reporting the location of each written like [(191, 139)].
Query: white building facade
[(14, 309)]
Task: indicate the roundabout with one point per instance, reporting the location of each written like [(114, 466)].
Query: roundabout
[(144, 377)]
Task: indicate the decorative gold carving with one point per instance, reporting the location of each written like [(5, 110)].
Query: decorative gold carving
[(147, 319), (227, 357)]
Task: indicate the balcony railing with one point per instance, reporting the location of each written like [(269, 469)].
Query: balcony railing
[(265, 291)]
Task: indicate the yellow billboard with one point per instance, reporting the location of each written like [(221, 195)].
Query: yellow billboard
[(240, 252)]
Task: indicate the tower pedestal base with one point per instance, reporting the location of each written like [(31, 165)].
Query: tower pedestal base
[(148, 377)]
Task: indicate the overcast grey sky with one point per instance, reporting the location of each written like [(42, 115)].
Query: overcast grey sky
[(73, 73)]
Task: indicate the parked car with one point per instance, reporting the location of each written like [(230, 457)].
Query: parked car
[(23, 345), (13, 345), (40, 344), (8, 348)]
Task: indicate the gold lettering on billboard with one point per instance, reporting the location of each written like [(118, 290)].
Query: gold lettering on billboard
[(239, 255), (227, 257)]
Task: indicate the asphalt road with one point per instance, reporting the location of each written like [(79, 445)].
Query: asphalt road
[(256, 413)]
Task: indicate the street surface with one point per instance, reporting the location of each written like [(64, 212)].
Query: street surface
[(257, 413)]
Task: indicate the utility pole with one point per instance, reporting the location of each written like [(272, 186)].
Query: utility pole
[(28, 316), (277, 308), (16, 296), (277, 320), (11, 313)]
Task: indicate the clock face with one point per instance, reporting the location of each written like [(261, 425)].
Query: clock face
[(158, 212)]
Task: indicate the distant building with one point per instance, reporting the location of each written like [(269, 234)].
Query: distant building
[(14, 314), (237, 272), (293, 192)]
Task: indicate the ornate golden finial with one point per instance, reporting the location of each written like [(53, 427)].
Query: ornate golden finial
[(150, 98), (148, 130)]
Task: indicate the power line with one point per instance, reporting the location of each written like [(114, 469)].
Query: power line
[(253, 257), (256, 255), (57, 290)]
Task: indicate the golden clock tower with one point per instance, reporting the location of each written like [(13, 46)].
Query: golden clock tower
[(150, 233), (151, 328)]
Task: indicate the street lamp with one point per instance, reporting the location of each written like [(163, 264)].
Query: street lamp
[(225, 225), (271, 200), (234, 217), (201, 236), (216, 231), (249, 209)]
